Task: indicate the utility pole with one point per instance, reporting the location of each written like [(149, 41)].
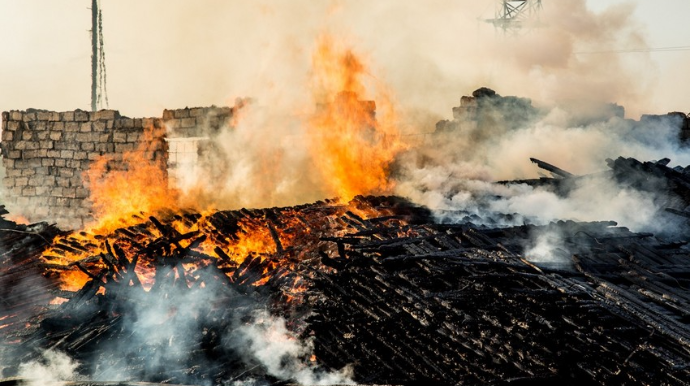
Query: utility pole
[(94, 53), (99, 89)]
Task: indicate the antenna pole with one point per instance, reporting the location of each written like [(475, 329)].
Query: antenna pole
[(94, 52)]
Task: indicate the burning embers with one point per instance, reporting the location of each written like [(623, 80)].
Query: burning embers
[(372, 290), (153, 292), (263, 242), (354, 149), (179, 289)]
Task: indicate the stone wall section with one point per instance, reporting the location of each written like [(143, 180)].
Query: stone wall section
[(45, 155)]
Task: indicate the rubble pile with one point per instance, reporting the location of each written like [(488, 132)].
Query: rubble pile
[(376, 285), (462, 305)]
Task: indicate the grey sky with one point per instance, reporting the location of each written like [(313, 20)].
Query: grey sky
[(176, 53)]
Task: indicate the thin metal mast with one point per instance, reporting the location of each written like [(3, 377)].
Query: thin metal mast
[(94, 53)]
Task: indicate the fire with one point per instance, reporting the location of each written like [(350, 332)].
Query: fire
[(122, 190), (18, 218), (352, 146), (73, 280), (124, 193), (353, 143), (245, 240), (255, 240), (252, 239)]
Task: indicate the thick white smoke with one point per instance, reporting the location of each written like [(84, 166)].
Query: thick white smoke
[(53, 366), (265, 160), (267, 340), (261, 161), (164, 334), (430, 53), (455, 170)]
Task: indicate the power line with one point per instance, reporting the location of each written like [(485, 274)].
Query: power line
[(637, 50)]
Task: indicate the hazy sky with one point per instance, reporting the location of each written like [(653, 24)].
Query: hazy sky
[(177, 53)]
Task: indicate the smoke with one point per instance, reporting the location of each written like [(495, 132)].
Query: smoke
[(183, 333), (339, 145), (53, 366), (269, 157), (492, 138), (427, 52), (261, 161), (546, 246), (596, 198), (267, 340), (164, 328)]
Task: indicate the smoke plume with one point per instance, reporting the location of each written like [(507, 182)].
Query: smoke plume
[(272, 157), (492, 138), (175, 333), (53, 366), (267, 340), (427, 52)]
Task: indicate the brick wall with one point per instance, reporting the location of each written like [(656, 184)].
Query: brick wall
[(45, 154)]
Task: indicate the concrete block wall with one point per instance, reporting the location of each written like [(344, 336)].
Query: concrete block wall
[(190, 130), (197, 121), (46, 153)]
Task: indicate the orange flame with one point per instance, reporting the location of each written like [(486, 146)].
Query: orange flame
[(353, 141), (353, 148), (122, 190), (276, 242), (18, 218), (253, 238)]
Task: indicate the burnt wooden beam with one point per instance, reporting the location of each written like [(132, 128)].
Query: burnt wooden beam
[(553, 169), (276, 238)]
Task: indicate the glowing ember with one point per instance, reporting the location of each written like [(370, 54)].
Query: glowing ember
[(17, 218), (133, 256)]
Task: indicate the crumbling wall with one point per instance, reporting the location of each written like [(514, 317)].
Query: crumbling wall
[(190, 135), (478, 115), (197, 121), (672, 119), (46, 153)]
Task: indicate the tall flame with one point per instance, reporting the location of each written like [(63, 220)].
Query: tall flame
[(122, 190), (353, 141)]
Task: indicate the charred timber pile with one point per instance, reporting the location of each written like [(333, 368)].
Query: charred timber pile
[(24, 292), (140, 279), (668, 187), (461, 305), (374, 284)]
